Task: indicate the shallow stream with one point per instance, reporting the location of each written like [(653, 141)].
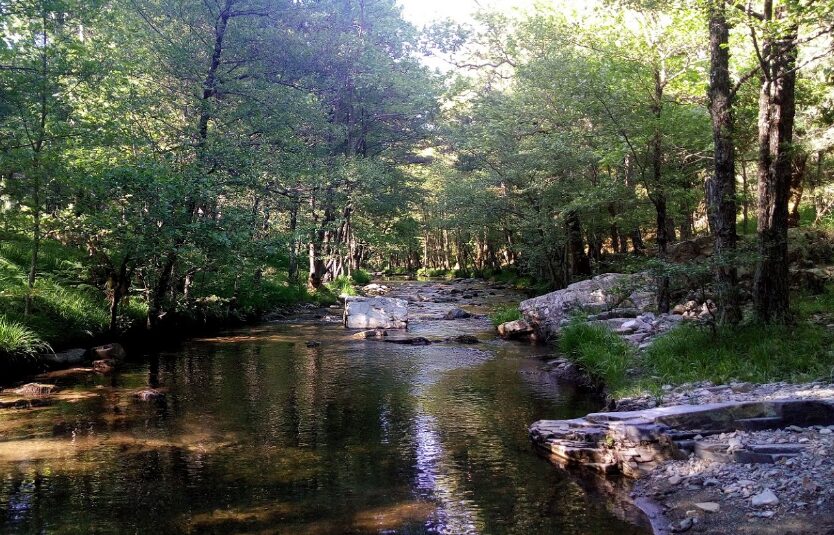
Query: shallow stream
[(257, 433)]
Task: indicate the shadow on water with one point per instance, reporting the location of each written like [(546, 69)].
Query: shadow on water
[(259, 434)]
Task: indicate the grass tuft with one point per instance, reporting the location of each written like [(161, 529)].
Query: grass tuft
[(602, 353), (18, 340), (505, 313), (361, 277)]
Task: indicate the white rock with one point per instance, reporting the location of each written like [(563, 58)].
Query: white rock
[(710, 507), (375, 313), (767, 497)]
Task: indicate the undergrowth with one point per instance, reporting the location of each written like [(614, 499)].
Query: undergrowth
[(751, 352), (603, 354)]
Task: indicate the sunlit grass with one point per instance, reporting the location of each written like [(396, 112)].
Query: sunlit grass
[(752, 352), (18, 340), (505, 313), (603, 354)]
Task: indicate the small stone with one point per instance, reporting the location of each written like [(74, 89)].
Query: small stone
[(684, 525), (674, 480), (767, 497), (826, 431), (313, 343), (710, 507)]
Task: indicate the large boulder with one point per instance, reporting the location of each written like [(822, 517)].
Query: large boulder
[(547, 313), (376, 313), (69, 357)]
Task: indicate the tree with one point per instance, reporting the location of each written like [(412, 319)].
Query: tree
[(721, 187)]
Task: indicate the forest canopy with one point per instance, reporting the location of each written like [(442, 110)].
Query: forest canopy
[(159, 154)]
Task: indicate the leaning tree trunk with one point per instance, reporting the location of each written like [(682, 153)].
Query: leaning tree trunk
[(721, 187), (777, 110)]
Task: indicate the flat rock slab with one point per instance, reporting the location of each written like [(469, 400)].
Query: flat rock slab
[(376, 313), (634, 443)]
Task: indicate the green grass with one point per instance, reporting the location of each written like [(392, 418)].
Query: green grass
[(18, 340), (361, 277), (755, 353), (603, 354), (691, 353), (342, 286), (431, 273), (505, 313)]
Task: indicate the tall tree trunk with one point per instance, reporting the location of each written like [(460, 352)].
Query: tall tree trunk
[(292, 270), (721, 187), (579, 262), (777, 110), (800, 165), (158, 293), (36, 243), (745, 199), (119, 284), (659, 194)]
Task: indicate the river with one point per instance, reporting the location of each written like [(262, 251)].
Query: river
[(258, 433)]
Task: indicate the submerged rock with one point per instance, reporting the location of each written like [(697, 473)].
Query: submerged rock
[(375, 333), (375, 313), (515, 329), (104, 366), (466, 339), (149, 394), (418, 341), (457, 314), (767, 497), (34, 390), (71, 356)]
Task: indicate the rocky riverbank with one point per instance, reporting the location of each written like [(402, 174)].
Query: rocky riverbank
[(710, 493), (737, 458)]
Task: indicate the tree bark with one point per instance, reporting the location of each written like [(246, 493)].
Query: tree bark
[(777, 110), (800, 165), (580, 264), (721, 187), (659, 195)]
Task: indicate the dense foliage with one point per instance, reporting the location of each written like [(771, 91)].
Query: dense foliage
[(186, 153)]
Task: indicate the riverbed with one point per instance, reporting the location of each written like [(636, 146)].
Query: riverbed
[(258, 433)]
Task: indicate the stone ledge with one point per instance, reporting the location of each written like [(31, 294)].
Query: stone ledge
[(634, 443)]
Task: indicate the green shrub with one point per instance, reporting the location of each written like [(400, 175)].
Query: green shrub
[(505, 313), (432, 273), (342, 286), (19, 340), (602, 353), (361, 277)]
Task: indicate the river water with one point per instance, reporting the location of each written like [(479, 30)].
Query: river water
[(258, 433)]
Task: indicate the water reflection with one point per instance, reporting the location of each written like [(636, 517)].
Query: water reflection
[(260, 434)]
